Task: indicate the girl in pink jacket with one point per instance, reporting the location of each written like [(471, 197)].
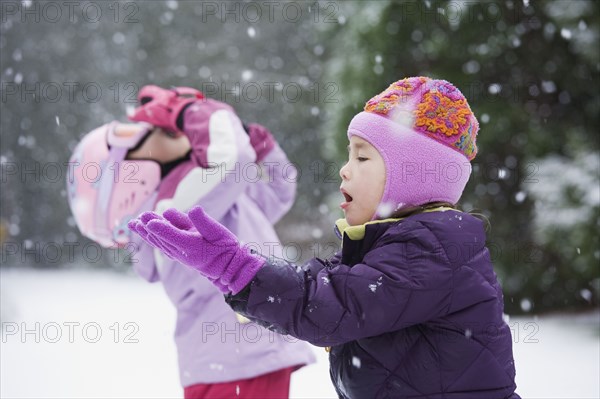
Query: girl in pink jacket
[(185, 151)]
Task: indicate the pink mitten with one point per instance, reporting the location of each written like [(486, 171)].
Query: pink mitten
[(162, 107), (261, 140)]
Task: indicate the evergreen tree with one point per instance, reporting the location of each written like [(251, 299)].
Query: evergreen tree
[(530, 72)]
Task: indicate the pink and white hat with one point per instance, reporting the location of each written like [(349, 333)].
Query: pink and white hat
[(425, 131), (104, 189)]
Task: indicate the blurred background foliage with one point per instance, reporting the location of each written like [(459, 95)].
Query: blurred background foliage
[(529, 69)]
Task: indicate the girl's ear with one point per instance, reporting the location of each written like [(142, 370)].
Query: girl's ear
[(127, 129)]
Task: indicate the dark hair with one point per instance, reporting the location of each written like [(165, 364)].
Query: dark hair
[(405, 212), (413, 210), (479, 215)]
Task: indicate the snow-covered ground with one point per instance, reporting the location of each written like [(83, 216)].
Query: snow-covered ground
[(100, 334)]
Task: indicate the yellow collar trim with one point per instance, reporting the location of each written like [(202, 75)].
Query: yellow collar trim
[(358, 232)]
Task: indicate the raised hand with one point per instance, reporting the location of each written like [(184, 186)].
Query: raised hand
[(208, 247), (163, 107), (261, 140)]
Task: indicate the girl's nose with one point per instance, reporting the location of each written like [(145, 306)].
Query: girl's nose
[(344, 174)]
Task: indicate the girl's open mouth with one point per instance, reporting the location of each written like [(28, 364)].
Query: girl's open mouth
[(348, 199)]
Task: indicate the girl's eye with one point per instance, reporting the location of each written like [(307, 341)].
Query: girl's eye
[(362, 159)]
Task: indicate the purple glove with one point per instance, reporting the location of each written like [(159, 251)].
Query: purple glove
[(261, 140), (178, 219), (211, 249)]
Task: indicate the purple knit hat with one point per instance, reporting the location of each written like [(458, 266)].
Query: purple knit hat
[(425, 131)]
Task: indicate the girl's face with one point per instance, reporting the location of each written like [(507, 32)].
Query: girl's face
[(162, 147), (363, 182)]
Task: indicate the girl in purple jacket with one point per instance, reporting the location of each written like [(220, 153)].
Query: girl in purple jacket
[(410, 307), (200, 154)]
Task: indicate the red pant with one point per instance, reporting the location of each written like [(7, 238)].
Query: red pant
[(275, 385)]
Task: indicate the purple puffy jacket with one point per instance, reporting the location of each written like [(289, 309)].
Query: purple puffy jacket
[(411, 308)]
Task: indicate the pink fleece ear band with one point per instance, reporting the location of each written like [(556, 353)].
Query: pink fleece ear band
[(418, 169)]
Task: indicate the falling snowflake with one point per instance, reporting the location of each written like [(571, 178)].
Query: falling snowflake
[(586, 294), (565, 33), (526, 305)]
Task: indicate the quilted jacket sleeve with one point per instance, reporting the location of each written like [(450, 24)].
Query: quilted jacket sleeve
[(274, 193), (405, 279), (221, 149)]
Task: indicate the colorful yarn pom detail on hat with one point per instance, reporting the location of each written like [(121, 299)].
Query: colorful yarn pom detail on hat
[(437, 109)]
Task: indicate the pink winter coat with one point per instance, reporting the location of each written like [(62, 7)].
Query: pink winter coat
[(214, 344)]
